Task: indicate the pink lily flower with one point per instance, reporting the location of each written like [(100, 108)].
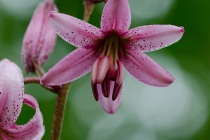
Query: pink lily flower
[(107, 50), (12, 98), (39, 39)]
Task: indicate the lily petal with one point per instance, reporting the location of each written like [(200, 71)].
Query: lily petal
[(154, 37), (71, 67), (107, 103), (34, 129), (75, 31), (116, 16), (11, 89), (146, 70)]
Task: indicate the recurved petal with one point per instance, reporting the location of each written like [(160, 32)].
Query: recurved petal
[(75, 31), (116, 16), (107, 103), (11, 92), (71, 67), (153, 37), (146, 70), (34, 129)]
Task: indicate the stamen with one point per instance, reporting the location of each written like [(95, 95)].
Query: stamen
[(106, 86), (95, 91), (110, 45), (107, 69), (105, 48), (116, 49), (99, 74), (118, 80), (94, 78), (116, 91), (94, 71), (103, 67)]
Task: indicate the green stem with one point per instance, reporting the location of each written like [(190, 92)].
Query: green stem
[(36, 80), (38, 69), (29, 80), (88, 9), (59, 112)]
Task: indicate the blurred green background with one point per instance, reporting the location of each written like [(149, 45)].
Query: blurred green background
[(178, 112)]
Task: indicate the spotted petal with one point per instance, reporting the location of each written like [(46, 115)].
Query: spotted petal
[(34, 129), (116, 16), (146, 70), (154, 37), (71, 67), (75, 31), (11, 92)]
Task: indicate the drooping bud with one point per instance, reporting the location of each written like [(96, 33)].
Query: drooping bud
[(107, 83), (39, 39)]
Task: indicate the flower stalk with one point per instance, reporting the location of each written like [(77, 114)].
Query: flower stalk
[(38, 69), (34, 79), (89, 5), (59, 112)]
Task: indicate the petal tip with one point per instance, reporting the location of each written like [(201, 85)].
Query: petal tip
[(112, 112), (109, 110), (168, 81), (182, 29)]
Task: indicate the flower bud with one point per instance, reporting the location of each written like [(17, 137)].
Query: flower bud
[(39, 39)]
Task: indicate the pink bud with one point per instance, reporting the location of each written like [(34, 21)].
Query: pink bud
[(39, 39)]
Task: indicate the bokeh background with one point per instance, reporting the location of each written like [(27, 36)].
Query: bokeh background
[(178, 112)]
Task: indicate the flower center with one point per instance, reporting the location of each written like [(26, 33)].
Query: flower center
[(1, 134), (112, 46), (107, 70)]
